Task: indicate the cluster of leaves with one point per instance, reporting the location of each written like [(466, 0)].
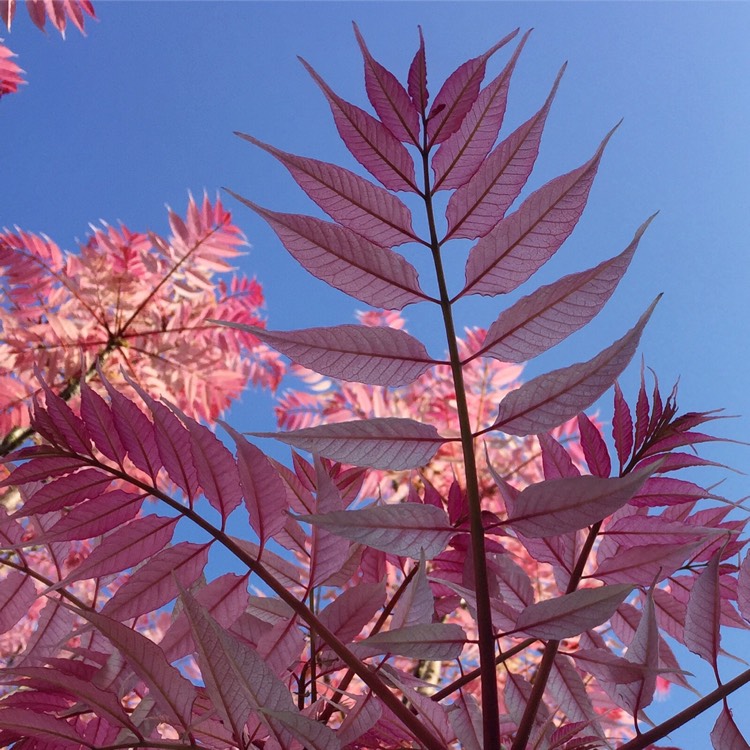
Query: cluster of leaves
[(133, 301), (355, 598), (10, 73), (59, 13)]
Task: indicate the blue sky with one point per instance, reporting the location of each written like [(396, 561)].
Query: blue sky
[(114, 125)]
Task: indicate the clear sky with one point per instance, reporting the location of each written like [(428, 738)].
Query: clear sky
[(115, 125)]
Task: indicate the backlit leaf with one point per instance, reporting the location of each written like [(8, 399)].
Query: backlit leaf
[(361, 354), (524, 241), (350, 200), (173, 693), (438, 641), (550, 314), (156, 583), (459, 157), (388, 98), (345, 260), (403, 529), (381, 443), (725, 734), (569, 615), (557, 506), (480, 204), (549, 400), (703, 618), (131, 544), (458, 94), (215, 466), (370, 142), (262, 488), (17, 594)]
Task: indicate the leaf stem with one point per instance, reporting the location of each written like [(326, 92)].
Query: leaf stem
[(488, 676)]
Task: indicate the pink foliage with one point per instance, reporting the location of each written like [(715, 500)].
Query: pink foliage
[(58, 12), (10, 73), (456, 566), (136, 302)]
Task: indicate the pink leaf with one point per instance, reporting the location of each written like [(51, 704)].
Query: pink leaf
[(524, 241), (350, 200), (135, 431), (558, 506), (622, 427), (327, 553), (156, 583), (126, 547), (351, 610), (96, 517), (17, 594), (556, 461), (346, 261), (569, 615), (53, 628), (39, 469), (607, 667), (643, 650), (479, 205), (287, 572), (551, 399), (370, 142), (569, 694), (360, 354), (40, 726), (105, 703), (262, 488), (403, 529), (417, 78), (417, 603), (437, 641), (365, 713), (550, 314), (703, 618), (225, 598), (101, 424), (465, 717), (70, 425), (594, 448), (388, 98), (173, 442), (669, 491), (644, 564), (459, 157), (173, 693), (215, 466), (236, 677), (743, 588), (66, 492), (381, 443), (725, 735), (313, 734), (458, 94)]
